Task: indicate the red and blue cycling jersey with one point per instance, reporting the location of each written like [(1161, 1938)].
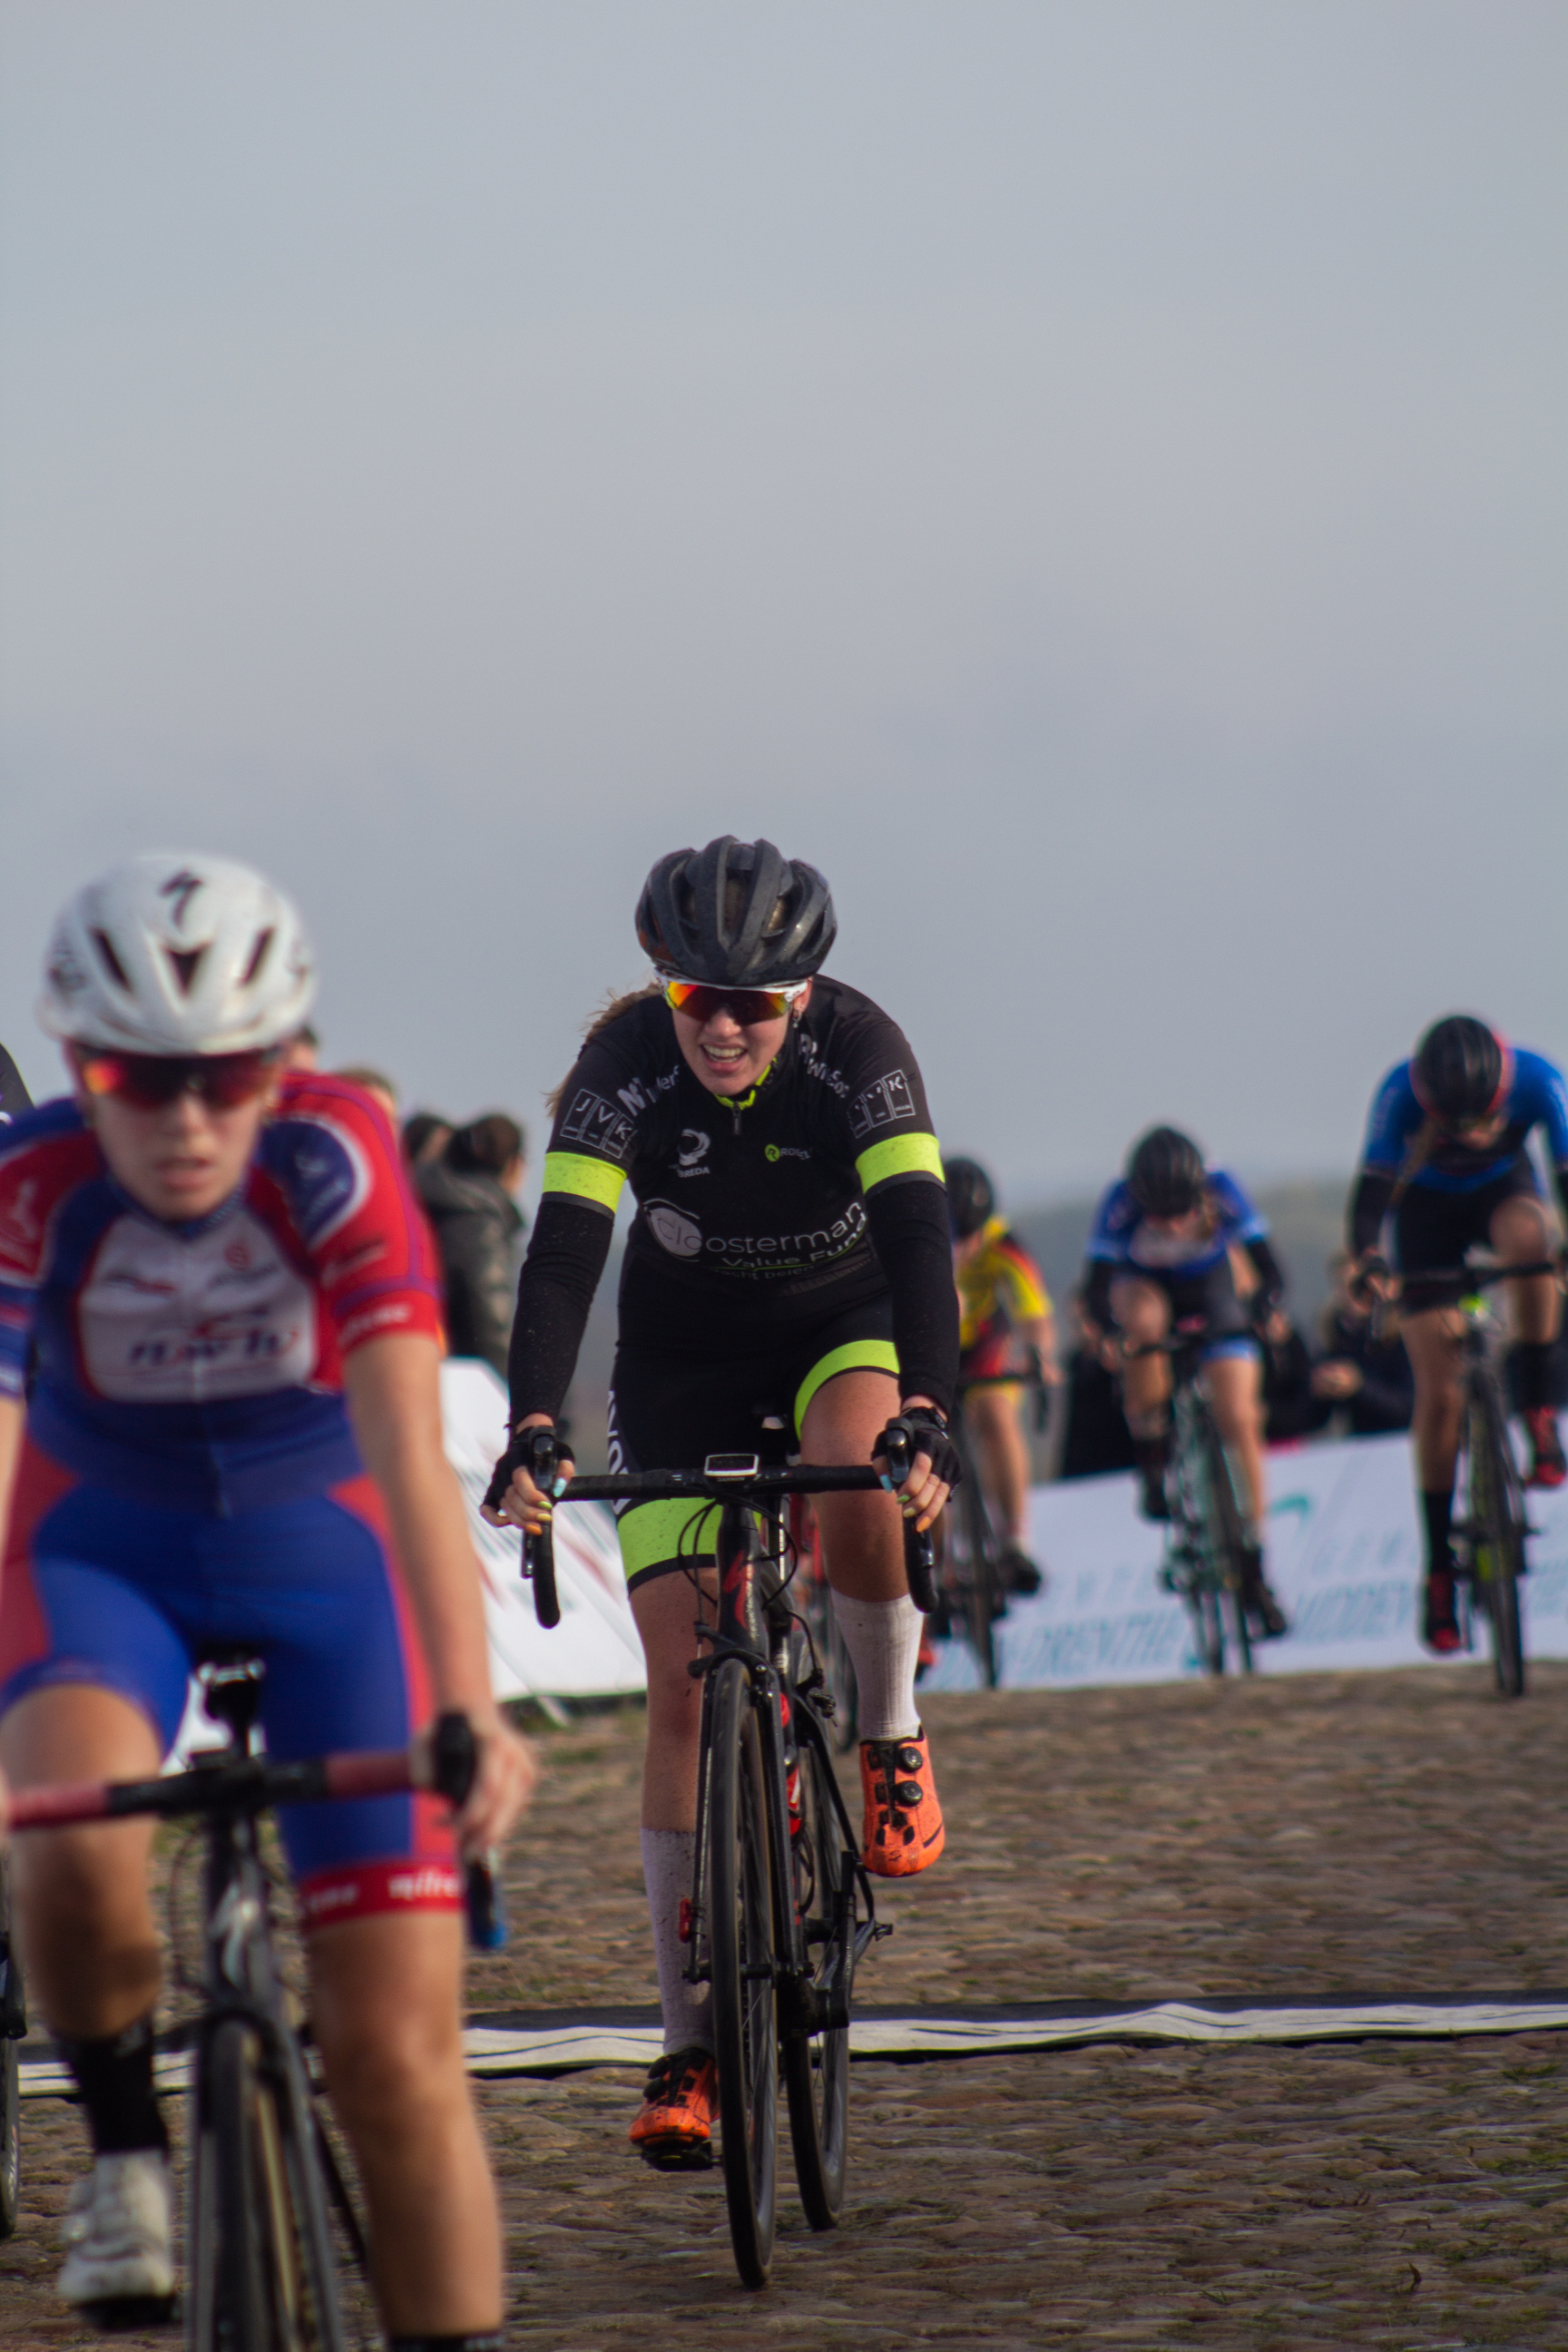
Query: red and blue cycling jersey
[(1121, 1236), (199, 1365), (1537, 1097), (190, 1480)]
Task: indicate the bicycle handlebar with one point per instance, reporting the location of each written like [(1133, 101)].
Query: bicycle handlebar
[(1475, 1277), (250, 1784), (749, 1480)]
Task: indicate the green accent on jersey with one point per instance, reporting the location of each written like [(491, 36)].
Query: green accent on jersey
[(900, 1155), (855, 1356), (654, 1533), (772, 1151), (575, 1173)]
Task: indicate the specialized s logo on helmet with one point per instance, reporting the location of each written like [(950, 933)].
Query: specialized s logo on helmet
[(181, 888)]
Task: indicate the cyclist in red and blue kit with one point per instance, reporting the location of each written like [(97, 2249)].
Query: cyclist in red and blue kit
[(1445, 1163), (219, 1428)]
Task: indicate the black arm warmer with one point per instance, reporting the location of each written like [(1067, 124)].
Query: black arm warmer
[(1098, 1274), (1369, 1206), (560, 1276), (1270, 1274), (911, 1234)]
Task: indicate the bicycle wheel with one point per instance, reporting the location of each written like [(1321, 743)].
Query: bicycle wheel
[(1208, 1624), (976, 1567), (258, 2264), (10, 2139), (12, 2014), (1496, 1537), (816, 2065), (1226, 1541), (741, 1945)]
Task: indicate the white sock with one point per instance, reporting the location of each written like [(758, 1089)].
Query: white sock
[(883, 1639), (666, 1860)]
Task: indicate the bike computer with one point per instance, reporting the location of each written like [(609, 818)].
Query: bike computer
[(731, 1465)]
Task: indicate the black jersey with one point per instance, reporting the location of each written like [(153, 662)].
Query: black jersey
[(821, 1186)]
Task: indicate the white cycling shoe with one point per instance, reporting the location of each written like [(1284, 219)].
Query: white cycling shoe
[(119, 2232)]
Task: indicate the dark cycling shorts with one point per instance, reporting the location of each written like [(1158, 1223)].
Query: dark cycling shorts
[(1210, 1295), (126, 1596), (1435, 1229), (670, 1411)]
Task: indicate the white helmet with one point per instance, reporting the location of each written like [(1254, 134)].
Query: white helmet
[(173, 953)]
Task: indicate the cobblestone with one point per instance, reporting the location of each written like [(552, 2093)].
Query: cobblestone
[(1368, 1835)]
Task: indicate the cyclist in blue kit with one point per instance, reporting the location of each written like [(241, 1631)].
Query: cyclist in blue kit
[(1445, 1163), (1165, 1248)]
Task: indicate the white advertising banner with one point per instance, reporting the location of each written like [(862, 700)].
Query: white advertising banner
[(594, 1650), (1344, 1556)]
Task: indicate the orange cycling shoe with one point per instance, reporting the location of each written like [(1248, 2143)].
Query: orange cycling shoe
[(1548, 1467), (673, 2129), (904, 1820)]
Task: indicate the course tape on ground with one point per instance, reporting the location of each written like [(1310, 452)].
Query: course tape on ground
[(561, 2042)]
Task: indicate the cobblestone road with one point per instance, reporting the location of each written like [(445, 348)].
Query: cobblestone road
[(1368, 1835)]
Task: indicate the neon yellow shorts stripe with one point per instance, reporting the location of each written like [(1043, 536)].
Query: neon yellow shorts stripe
[(654, 1533), (584, 1179), (855, 1356), (899, 1155)]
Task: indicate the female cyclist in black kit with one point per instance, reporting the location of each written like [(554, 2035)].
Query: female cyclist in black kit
[(790, 1252)]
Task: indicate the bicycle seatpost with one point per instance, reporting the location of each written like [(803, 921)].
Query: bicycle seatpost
[(539, 1550), (920, 1553)]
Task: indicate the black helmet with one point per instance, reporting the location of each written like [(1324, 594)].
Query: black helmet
[(971, 1196), (1459, 1069), (737, 915), (1166, 1172)]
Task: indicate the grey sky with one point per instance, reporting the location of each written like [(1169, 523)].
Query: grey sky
[(1090, 475)]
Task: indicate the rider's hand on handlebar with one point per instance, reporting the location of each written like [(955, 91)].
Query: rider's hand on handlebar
[(505, 1774), (523, 1503), (933, 1472)]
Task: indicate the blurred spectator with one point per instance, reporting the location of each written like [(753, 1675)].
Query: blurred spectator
[(1370, 1381), (375, 1083), (426, 1135), (1290, 1408), (14, 1096), (467, 1196), (1098, 1438), (305, 1052)]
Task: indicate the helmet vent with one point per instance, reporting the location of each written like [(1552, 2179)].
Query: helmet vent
[(111, 963), (257, 958), (187, 962)]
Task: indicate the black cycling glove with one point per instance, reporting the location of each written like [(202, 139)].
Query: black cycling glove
[(923, 1431), (523, 1453)]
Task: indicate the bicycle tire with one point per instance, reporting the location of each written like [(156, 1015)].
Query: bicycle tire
[(10, 2139), (985, 1578), (258, 2265), (1208, 1626), (1496, 1538), (11, 2012), (742, 1955), (816, 2065), (1226, 1541)]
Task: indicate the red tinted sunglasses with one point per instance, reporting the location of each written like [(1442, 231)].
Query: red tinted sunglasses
[(696, 998), (150, 1081)]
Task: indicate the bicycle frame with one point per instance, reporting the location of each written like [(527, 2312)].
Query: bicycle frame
[(754, 1629), (241, 1980)]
